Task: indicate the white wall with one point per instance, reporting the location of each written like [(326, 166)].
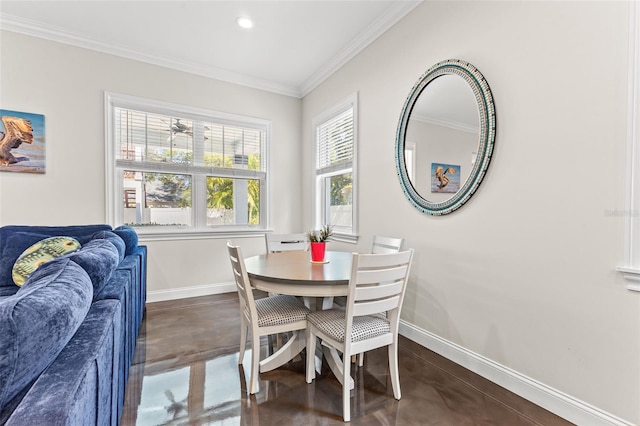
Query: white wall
[(67, 85), (524, 274)]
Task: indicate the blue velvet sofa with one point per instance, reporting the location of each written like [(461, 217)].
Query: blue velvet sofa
[(68, 334)]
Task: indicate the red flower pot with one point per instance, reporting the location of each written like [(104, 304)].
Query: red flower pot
[(317, 251)]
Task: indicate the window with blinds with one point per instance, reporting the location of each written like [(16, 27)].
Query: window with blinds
[(335, 142), (193, 168), (335, 146)]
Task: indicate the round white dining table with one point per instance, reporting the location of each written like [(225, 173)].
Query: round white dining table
[(293, 273)]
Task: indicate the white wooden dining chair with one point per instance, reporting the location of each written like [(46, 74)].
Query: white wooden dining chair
[(262, 317), (285, 242), (377, 285), (379, 245)]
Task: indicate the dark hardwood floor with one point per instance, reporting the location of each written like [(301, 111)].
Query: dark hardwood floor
[(186, 372)]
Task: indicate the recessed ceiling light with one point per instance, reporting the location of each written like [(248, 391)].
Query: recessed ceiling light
[(244, 22)]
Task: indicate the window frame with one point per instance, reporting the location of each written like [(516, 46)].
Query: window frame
[(198, 229), (319, 191), (412, 148)]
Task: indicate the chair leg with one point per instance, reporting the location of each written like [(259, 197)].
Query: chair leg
[(243, 340), (358, 358), (278, 340), (311, 355), (254, 386), (393, 369), (346, 391)]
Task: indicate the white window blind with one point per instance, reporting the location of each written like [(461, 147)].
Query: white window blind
[(335, 143), (147, 137)]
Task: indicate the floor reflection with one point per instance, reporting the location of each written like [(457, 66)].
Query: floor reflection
[(188, 394), (186, 372)]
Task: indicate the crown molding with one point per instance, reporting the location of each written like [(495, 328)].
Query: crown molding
[(57, 34), (395, 13), (53, 33)]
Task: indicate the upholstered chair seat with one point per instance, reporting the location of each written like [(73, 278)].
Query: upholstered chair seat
[(279, 310), (332, 323)]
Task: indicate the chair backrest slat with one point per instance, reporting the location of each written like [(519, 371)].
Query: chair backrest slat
[(369, 261), (376, 306), (285, 242), (381, 275), (378, 291), (382, 244)]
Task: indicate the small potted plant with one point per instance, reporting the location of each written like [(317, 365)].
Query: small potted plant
[(318, 240)]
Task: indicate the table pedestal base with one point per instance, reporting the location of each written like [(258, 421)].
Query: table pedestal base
[(310, 302), (285, 353), (336, 364)]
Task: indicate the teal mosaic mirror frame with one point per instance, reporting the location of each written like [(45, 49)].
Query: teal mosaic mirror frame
[(487, 133)]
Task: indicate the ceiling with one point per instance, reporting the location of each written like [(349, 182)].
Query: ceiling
[(293, 46)]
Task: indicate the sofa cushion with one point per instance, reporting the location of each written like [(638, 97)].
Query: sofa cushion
[(8, 291), (99, 258), (14, 239), (81, 233), (38, 321), (113, 239), (40, 253), (129, 236), (14, 245)]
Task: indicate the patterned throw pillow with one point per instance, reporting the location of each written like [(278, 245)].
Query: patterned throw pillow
[(39, 254)]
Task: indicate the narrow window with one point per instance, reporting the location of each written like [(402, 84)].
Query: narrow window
[(335, 166)]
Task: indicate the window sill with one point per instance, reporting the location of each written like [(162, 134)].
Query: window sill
[(631, 276), (145, 235)]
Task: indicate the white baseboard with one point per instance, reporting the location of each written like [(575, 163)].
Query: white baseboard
[(193, 291), (551, 399)]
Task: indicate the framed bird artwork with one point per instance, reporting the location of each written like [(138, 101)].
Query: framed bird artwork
[(22, 142), (445, 178)]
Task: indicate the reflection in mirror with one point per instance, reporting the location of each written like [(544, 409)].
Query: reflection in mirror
[(443, 129), (445, 137)]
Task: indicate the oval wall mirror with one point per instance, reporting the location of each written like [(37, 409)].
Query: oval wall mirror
[(445, 137)]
